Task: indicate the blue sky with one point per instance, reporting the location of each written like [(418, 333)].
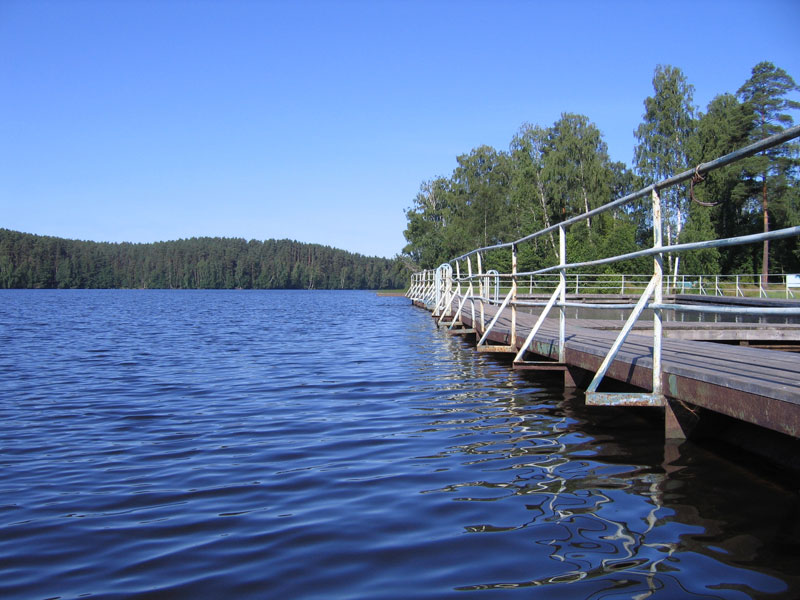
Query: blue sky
[(144, 120)]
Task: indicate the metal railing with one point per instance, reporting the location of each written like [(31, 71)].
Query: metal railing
[(447, 289), (743, 286)]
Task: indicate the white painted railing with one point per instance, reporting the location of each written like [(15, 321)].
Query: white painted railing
[(448, 289), (779, 285)]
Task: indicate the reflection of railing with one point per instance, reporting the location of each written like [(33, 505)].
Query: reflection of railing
[(469, 282)]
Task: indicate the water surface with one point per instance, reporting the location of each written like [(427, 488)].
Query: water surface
[(295, 444)]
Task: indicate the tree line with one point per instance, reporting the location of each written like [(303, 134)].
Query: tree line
[(34, 261), (549, 174)]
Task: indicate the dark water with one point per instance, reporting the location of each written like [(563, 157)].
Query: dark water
[(336, 445)]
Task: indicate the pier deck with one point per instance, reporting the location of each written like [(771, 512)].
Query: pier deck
[(751, 384)]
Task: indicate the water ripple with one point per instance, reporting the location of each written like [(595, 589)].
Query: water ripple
[(160, 444)]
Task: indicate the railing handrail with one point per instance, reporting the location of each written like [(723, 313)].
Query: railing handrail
[(652, 296)]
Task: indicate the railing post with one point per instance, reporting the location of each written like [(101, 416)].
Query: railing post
[(658, 273), (513, 341), (562, 280), (458, 282), (483, 288), (437, 278), (472, 295)]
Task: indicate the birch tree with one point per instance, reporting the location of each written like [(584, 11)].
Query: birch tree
[(662, 137)]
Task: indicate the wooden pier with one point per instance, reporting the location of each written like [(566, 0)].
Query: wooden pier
[(688, 370), (753, 385)]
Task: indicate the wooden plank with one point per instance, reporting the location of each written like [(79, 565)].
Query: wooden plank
[(496, 349), (753, 371)]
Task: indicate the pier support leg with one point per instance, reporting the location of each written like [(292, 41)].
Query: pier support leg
[(679, 421), (672, 455), (575, 377), (569, 380)]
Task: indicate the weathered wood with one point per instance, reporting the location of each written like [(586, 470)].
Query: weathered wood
[(751, 384), (539, 365), (497, 349), (713, 332), (460, 331)]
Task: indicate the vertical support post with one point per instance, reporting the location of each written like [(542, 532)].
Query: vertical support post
[(672, 426), (658, 274), (562, 280), (483, 289), (472, 288), (513, 341), (437, 278), (458, 286)]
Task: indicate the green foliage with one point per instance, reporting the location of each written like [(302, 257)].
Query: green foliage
[(668, 123), (765, 93), (554, 173), (725, 127), (576, 167), (663, 139), (481, 182), (700, 228), (773, 174), (31, 261), (547, 175)]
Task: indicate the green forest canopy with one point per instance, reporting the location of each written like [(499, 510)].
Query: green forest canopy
[(549, 174), (33, 261)]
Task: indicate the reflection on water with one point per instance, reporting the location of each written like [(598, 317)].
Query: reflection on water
[(209, 454)]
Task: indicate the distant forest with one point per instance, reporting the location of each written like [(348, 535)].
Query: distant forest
[(34, 261)]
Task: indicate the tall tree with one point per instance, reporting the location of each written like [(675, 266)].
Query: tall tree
[(669, 120), (527, 195), (765, 93), (482, 180), (576, 166), (430, 224), (721, 208)]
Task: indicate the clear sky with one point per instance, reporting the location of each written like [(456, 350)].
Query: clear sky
[(146, 120)]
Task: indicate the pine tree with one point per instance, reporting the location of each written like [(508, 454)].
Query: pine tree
[(725, 127), (765, 93)]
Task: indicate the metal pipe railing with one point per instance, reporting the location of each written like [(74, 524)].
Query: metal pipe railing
[(652, 286)]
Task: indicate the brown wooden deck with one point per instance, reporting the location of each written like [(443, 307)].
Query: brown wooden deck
[(750, 384)]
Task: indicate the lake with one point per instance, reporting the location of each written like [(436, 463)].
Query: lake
[(315, 444)]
